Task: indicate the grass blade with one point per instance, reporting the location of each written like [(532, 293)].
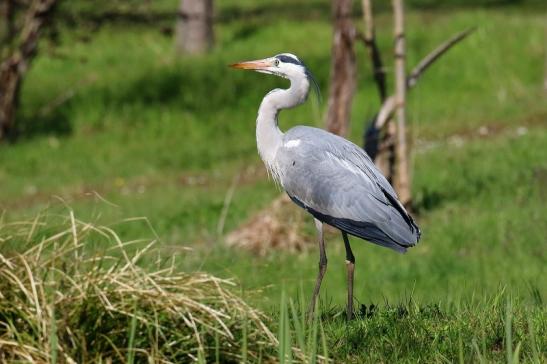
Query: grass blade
[(477, 350), (516, 354), (53, 336), (299, 330), (531, 330), (132, 331), (324, 341), (282, 331), (460, 349), (244, 342), (217, 349), (312, 340), (508, 333)]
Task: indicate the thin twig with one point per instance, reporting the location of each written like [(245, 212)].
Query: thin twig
[(64, 97), (428, 60), (388, 105)]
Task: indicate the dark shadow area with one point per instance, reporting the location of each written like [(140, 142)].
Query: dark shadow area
[(205, 88), (202, 88), (471, 184), (246, 30), (290, 10), (55, 122), (294, 10), (121, 18), (427, 200), (149, 16), (203, 91)]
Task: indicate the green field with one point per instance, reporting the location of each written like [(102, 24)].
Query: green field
[(114, 125)]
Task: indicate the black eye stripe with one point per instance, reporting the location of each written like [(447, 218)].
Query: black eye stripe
[(287, 59)]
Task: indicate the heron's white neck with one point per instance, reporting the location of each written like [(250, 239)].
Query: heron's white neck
[(268, 135)]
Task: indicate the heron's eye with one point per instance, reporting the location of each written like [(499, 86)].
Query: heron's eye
[(276, 62)]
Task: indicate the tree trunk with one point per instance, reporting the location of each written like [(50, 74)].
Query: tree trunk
[(402, 176), (14, 67), (343, 69), (194, 31)]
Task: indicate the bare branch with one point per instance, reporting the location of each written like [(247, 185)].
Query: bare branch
[(64, 97), (388, 106), (369, 39), (435, 55), (386, 111)]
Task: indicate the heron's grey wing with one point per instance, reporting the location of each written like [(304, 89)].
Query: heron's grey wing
[(335, 181)]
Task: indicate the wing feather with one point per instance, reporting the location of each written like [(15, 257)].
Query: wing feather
[(336, 180)]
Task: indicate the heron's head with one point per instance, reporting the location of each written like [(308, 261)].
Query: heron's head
[(284, 65)]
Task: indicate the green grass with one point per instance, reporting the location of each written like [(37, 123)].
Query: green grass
[(472, 332), (487, 329), (163, 137)]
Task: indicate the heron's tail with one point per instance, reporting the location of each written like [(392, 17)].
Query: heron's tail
[(373, 234)]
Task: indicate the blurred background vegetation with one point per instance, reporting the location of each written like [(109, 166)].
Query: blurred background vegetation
[(114, 123)]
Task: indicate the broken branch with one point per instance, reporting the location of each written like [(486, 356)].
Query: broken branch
[(434, 55)]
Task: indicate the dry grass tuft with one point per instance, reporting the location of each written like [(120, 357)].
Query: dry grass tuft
[(62, 301), (277, 227)]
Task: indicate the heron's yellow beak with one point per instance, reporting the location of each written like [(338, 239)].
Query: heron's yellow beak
[(253, 65)]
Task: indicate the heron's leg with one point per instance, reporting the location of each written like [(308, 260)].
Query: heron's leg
[(322, 267), (350, 265)]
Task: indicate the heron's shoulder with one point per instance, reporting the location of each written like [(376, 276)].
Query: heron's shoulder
[(326, 146), (322, 142), (301, 132), (317, 137)]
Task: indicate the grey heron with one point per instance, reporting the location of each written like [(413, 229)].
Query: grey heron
[(328, 176)]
